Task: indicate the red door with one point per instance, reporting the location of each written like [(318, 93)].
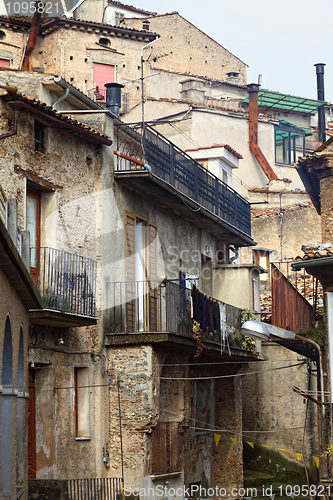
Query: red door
[(4, 63), (103, 73), (32, 426)]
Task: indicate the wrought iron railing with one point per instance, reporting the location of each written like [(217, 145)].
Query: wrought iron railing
[(155, 306), (66, 282), (184, 174), (95, 489)]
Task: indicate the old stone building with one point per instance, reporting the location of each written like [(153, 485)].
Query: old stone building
[(117, 330), (157, 222), (316, 172), (17, 295), (49, 163)]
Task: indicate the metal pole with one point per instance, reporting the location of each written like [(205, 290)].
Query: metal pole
[(120, 430), (321, 97)]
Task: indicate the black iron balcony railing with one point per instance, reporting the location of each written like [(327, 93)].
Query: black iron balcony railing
[(155, 306), (187, 176), (66, 282)]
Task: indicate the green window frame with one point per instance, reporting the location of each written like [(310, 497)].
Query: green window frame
[(289, 144)]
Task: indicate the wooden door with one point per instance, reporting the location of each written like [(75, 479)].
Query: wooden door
[(103, 73), (33, 226)]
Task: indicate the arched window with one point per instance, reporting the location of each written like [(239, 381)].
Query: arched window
[(20, 414), (6, 447)]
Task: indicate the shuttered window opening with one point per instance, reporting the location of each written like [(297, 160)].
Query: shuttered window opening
[(141, 274), (167, 448), (4, 63), (103, 73)]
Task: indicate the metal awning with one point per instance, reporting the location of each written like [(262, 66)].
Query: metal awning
[(269, 99), (288, 124)]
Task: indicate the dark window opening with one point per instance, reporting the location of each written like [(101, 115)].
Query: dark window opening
[(104, 41), (40, 135), (289, 144), (2, 35)]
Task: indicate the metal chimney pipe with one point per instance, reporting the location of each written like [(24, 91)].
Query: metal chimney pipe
[(113, 97), (321, 97)]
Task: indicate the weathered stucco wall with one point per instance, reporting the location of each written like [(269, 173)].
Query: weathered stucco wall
[(296, 227), (11, 307), (146, 400), (59, 452), (273, 414), (69, 174)]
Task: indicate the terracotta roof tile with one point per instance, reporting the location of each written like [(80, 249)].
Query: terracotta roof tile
[(273, 212), (226, 146), (315, 251), (130, 7), (47, 110)]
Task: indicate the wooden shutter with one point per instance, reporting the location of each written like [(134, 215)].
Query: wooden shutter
[(103, 73), (4, 63), (152, 276), (129, 298), (167, 448)]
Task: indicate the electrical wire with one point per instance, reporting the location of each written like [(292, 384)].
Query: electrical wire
[(212, 428), (231, 375)]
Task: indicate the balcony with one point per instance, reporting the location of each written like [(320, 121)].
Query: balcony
[(155, 311), (154, 167), (67, 285)]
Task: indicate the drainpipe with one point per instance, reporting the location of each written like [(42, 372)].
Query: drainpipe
[(76, 93), (31, 43), (321, 97), (60, 99), (253, 89)]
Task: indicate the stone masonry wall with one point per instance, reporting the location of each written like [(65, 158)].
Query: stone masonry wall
[(185, 48)]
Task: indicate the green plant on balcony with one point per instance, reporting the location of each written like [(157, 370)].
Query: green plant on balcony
[(197, 334)]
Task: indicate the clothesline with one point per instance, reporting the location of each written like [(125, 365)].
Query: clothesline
[(211, 315)]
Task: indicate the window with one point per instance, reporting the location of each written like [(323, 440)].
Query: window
[(40, 135), (224, 176), (104, 41), (289, 144), (256, 294), (262, 259), (118, 16), (203, 163), (167, 448), (141, 274), (82, 402), (4, 63)]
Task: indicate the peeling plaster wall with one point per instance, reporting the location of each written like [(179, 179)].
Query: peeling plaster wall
[(70, 220), (59, 453), (274, 414), (11, 303), (146, 399)]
